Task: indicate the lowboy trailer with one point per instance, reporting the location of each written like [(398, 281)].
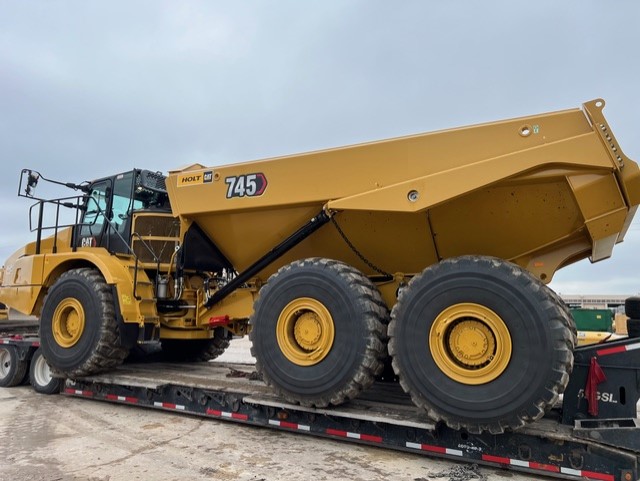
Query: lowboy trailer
[(593, 434)]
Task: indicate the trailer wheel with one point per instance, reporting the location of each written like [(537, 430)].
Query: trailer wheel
[(633, 327), (632, 307), (197, 350), (319, 331), (12, 368), (78, 329), (481, 344), (40, 375)]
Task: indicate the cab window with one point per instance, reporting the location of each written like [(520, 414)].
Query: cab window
[(123, 203), (96, 206)]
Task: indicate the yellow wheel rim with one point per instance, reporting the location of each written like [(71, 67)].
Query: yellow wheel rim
[(68, 322), (470, 343), (305, 331)]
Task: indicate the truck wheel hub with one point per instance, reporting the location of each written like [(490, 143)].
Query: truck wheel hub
[(308, 331), (68, 322), (305, 331), (5, 363), (470, 343)]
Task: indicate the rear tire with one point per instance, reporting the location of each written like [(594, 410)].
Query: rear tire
[(481, 344), (197, 350), (319, 331), (79, 331), (12, 369), (40, 375)]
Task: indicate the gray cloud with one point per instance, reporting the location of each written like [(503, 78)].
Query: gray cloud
[(88, 88)]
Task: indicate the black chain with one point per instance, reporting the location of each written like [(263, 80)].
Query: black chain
[(356, 251)]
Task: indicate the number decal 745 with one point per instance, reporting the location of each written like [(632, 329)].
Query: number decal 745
[(249, 185)]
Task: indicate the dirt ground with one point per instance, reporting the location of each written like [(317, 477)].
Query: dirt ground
[(57, 438)]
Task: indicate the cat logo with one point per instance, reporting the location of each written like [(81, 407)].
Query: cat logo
[(195, 178)]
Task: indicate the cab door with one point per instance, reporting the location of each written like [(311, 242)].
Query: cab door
[(97, 207)]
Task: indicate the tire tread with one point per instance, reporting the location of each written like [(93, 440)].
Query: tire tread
[(376, 325), (562, 325)]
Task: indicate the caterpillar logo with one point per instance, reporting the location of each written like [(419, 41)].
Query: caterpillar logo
[(195, 178)]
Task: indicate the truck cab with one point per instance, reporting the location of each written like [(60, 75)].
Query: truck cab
[(109, 206)]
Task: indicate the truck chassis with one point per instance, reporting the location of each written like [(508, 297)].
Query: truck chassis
[(568, 443)]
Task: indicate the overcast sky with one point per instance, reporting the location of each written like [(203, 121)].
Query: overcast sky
[(88, 89)]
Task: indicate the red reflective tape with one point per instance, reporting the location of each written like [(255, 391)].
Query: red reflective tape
[(433, 449), (544, 467), (285, 424), (361, 437), (222, 414), (496, 459), (603, 477), (78, 392), (35, 344), (371, 438), (128, 399), (611, 350)]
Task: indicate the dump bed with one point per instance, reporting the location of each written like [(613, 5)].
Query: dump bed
[(541, 191)]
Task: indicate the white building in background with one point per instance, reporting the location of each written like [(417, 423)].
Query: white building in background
[(596, 301)]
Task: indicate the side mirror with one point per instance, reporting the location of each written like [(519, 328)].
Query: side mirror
[(32, 182)]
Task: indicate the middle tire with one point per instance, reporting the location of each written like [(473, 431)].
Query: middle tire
[(197, 350), (481, 344), (318, 334)]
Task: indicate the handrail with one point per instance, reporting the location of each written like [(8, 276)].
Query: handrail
[(135, 268)]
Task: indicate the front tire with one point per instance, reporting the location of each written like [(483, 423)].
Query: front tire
[(78, 328), (481, 344), (318, 335)]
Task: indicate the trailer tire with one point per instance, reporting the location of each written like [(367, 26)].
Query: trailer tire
[(12, 369), (632, 307), (40, 375), (79, 331), (481, 344), (197, 350), (633, 327), (319, 332)]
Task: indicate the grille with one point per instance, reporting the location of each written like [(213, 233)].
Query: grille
[(159, 233)]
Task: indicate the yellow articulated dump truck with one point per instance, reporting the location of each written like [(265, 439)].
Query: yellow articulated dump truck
[(429, 254)]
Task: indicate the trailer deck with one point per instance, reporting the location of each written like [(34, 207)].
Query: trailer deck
[(384, 417), (570, 442)]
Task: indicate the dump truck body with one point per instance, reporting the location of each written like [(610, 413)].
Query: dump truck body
[(423, 256), (541, 191)]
